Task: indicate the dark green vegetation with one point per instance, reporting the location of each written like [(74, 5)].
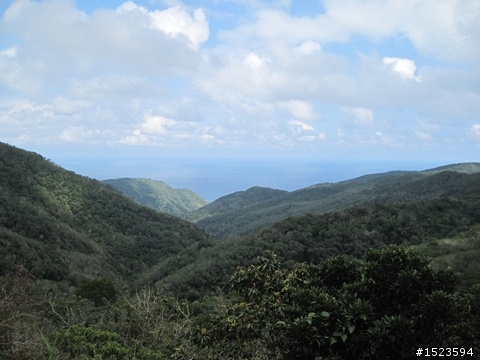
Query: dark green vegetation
[(158, 195), (67, 227), (243, 212), (313, 238), (87, 273), (384, 306)]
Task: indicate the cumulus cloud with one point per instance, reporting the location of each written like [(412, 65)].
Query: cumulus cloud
[(445, 32), (13, 75), (131, 36), (404, 67), (253, 61), (155, 75), (300, 126), (305, 132), (174, 21), (157, 125), (242, 81), (163, 130)]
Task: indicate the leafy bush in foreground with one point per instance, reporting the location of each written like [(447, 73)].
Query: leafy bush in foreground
[(382, 307)]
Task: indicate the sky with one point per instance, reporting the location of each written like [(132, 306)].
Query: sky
[(220, 95)]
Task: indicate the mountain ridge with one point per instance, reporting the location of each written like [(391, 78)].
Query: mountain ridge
[(424, 223), (316, 199)]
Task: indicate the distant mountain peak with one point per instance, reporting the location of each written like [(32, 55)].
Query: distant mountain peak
[(158, 195)]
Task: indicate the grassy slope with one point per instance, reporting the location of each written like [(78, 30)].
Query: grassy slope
[(158, 195)]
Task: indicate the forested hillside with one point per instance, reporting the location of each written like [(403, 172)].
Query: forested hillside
[(313, 238), (158, 195), (87, 273), (238, 215), (237, 201), (68, 227)]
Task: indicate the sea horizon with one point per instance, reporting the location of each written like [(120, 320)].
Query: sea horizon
[(214, 178)]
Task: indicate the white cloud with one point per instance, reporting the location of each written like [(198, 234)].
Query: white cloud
[(308, 47), (130, 38), (136, 139), (474, 131), (241, 81), (278, 24), (298, 109), (162, 130), (157, 125), (305, 132), (360, 115), (9, 52), (152, 74), (13, 75), (253, 61), (64, 105), (76, 134), (174, 21), (404, 67), (300, 126), (114, 86), (440, 28)]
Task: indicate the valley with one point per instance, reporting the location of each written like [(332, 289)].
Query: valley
[(100, 259)]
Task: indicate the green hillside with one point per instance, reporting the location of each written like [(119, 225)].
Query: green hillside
[(352, 231), (68, 227), (158, 195), (224, 220), (87, 273)]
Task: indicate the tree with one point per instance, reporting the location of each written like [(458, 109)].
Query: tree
[(382, 307), (98, 291), (18, 336)]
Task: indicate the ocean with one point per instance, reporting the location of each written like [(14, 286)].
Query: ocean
[(214, 178)]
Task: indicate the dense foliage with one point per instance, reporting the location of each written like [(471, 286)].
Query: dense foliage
[(238, 214), (205, 266), (382, 307), (66, 226), (87, 273)]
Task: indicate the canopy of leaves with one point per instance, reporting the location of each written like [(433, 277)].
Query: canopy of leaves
[(68, 226), (382, 307), (204, 266), (239, 214)]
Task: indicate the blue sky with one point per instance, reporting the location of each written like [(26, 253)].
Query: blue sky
[(172, 89)]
